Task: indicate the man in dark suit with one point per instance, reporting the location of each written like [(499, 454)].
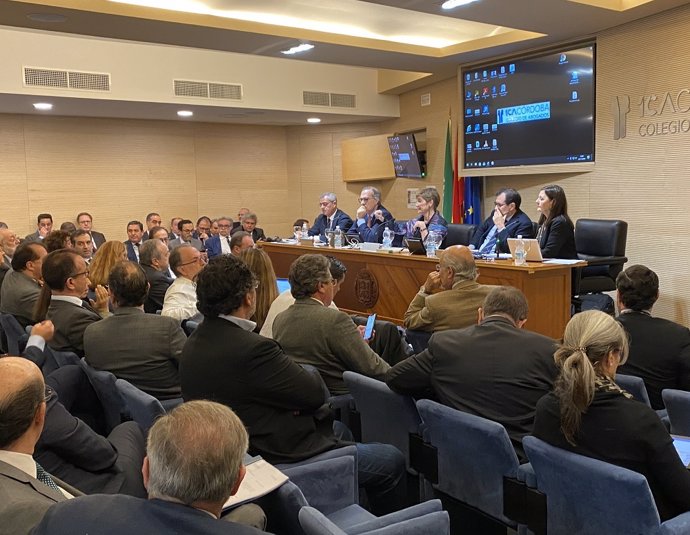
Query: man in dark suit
[(26, 489), (133, 242), (22, 286), (186, 231), (143, 349), (277, 399), (203, 229), (659, 349), (495, 369), (330, 217), (153, 219), (220, 244), (82, 243), (85, 222), (372, 217), (505, 221), (44, 224), (174, 232), (248, 225), (155, 259), (8, 245), (193, 465)]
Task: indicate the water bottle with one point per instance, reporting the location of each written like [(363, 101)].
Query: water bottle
[(520, 252), (337, 237), (431, 244), (387, 238), (305, 231)]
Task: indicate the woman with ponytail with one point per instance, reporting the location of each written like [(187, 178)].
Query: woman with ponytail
[(589, 414)]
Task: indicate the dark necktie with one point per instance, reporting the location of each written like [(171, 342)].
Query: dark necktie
[(227, 239), (44, 477)]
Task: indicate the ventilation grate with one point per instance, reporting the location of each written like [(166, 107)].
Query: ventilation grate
[(315, 98), (341, 100), (226, 91), (88, 81), (188, 88)]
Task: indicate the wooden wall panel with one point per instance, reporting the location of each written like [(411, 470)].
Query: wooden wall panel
[(14, 206)]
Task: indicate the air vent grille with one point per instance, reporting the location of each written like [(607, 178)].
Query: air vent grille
[(188, 88), (333, 100), (315, 98), (89, 81), (341, 100), (226, 91)]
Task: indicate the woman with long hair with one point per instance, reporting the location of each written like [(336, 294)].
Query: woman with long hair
[(260, 264), (556, 234), (589, 414), (107, 256)]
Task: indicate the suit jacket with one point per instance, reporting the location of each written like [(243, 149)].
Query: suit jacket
[(70, 322), (274, 397), (113, 515), (558, 239), (493, 370), (33, 237), (340, 219), (257, 233), (213, 247), (626, 433), (160, 282), (449, 309), (331, 343), (5, 266), (131, 255), (659, 354), (194, 242), (373, 233), (518, 225), (18, 296), (97, 238), (24, 500), (143, 349)]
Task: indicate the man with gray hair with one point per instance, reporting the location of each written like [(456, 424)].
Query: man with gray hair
[(154, 257), (248, 224), (450, 297), (220, 243), (8, 244), (193, 465), (330, 217), (495, 369), (372, 217)]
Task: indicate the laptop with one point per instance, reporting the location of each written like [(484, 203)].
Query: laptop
[(415, 245), (532, 249), (283, 284)]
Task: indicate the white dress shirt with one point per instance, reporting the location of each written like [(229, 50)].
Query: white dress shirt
[(25, 463), (180, 301)]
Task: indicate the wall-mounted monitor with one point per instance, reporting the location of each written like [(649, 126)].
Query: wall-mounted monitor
[(532, 111), (407, 160)]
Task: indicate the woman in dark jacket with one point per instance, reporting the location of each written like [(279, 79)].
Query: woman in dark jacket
[(556, 233)]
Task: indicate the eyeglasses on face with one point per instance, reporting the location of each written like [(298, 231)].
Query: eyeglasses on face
[(79, 274), (364, 199)]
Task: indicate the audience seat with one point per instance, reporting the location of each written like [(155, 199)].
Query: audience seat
[(677, 404), (458, 234), (103, 383), (586, 496), (634, 385), (14, 333), (143, 408)]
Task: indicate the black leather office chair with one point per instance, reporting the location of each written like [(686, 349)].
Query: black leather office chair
[(458, 234), (601, 242)]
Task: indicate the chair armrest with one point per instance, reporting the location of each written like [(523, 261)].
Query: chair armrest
[(679, 525), (409, 513), (603, 260), (437, 523), (527, 476)]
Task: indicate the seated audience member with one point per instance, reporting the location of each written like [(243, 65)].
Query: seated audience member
[(155, 259), (274, 396), (203, 229), (159, 233), (330, 217), (85, 222), (108, 255), (44, 226), (241, 241), (133, 242), (496, 369), (66, 282), (240, 214), (22, 285), (186, 231), (260, 264), (143, 349), (8, 245), (556, 233), (300, 222), (193, 465), (83, 245), (659, 348), (57, 239), (68, 227), (248, 225), (180, 298), (372, 217), (174, 228), (26, 489), (429, 219), (219, 244), (3, 225), (450, 296), (505, 221), (214, 227), (331, 342), (153, 219), (589, 414)]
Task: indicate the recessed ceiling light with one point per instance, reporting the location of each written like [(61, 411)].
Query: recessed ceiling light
[(451, 4), (185, 113), (297, 49), (46, 17), (43, 106), (313, 120)]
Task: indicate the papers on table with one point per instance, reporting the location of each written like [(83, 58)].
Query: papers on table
[(261, 478), (561, 261)]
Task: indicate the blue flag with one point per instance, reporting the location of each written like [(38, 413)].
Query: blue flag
[(473, 200)]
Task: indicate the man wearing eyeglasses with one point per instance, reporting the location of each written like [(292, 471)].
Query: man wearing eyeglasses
[(185, 229), (330, 217), (372, 217), (506, 221), (220, 244), (180, 299)]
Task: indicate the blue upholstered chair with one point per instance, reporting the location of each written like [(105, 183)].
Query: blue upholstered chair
[(103, 383), (678, 406), (419, 340), (634, 385), (586, 496), (474, 455), (436, 523), (61, 358), (143, 408), (15, 335)]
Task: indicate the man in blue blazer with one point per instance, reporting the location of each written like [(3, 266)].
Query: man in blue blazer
[(193, 465), (330, 217), (506, 221), (372, 217), (220, 244), (135, 230)]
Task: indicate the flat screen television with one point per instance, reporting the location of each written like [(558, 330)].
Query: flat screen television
[(531, 111), (406, 157)]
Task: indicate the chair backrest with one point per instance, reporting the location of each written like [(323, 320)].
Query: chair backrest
[(634, 385), (458, 234), (601, 237), (103, 383), (588, 496), (474, 454), (386, 417), (62, 358), (13, 332), (142, 407), (677, 403)]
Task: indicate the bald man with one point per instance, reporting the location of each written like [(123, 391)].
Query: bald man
[(451, 296), (26, 491)]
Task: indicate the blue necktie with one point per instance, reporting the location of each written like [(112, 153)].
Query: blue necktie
[(490, 241), (44, 477)]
